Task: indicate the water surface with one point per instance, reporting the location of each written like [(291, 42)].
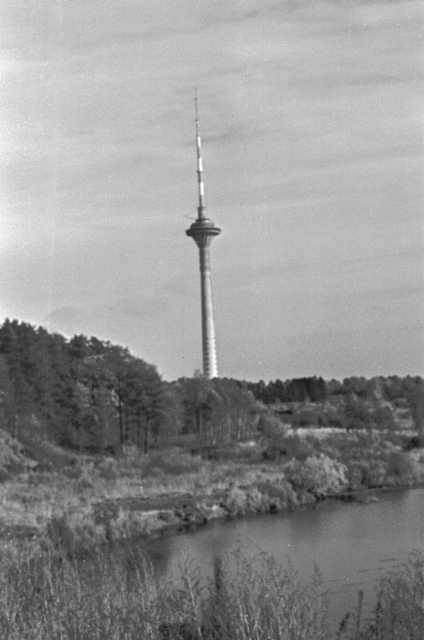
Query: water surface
[(353, 545)]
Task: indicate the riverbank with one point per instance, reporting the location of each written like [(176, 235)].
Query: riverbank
[(93, 501)]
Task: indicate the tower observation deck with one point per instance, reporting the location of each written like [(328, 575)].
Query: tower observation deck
[(203, 231)]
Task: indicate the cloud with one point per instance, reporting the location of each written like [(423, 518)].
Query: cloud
[(178, 288), (371, 262), (140, 307), (371, 157), (236, 133), (358, 351), (67, 319)]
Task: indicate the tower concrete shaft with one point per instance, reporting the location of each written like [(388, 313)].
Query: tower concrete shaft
[(203, 231)]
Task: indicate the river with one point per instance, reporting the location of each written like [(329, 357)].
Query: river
[(353, 544)]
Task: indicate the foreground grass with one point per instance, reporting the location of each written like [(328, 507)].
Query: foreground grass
[(399, 610), (117, 597)]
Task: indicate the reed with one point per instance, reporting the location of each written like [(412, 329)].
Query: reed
[(399, 610), (116, 596)]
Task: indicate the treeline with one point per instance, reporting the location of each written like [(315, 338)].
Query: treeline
[(296, 390), (313, 389), (354, 403), (90, 395)]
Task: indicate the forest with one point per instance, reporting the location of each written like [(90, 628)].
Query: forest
[(89, 395)]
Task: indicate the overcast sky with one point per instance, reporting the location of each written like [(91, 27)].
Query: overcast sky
[(312, 127)]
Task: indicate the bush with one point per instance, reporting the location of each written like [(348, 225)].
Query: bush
[(319, 475), (272, 427), (280, 496), (292, 446), (74, 534), (133, 524), (370, 474), (336, 421), (242, 501), (249, 452), (306, 418), (403, 469), (12, 456), (108, 469), (382, 418)]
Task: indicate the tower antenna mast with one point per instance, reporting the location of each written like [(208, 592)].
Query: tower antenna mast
[(200, 185), (203, 231)]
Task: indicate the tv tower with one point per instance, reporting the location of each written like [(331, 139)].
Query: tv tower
[(203, 231)]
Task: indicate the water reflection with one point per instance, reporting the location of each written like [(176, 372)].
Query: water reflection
[(160, 554)]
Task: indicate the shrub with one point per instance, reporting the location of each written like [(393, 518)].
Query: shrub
[(411, 442), (271, 426), (382, 418), (132, 524), (74, 533), (108, 469), (280, 496), (12, 458), (292, 446), (305, 418), (366, 473), (242, 501), (403, 469), (336, 421), (319, 475), (249, 451)]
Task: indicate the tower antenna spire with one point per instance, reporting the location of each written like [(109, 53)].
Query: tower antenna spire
[(203, 231), (200, 185)]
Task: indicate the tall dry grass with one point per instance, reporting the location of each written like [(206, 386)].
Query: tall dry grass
[(117, 597), (399, 610)]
